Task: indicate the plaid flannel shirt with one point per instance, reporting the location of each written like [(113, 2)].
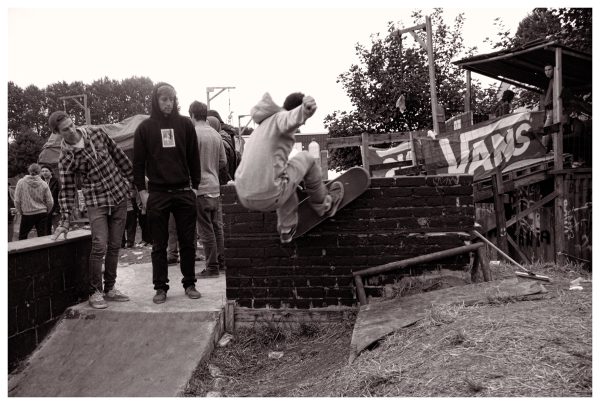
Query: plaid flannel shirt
[(105, 172)]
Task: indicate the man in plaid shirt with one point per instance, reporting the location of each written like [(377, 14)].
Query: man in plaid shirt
[(106, 176)]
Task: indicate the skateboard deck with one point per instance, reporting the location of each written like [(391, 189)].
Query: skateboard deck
[(356, 181)]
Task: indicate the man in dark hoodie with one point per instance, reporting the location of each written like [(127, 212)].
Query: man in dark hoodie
[(165, 149), (90, 155)]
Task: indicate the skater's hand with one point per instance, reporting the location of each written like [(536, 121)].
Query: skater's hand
[(310, 106), (58, 231)]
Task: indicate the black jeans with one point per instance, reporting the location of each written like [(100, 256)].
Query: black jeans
[(130, 228), (183, 206), (39, 221)]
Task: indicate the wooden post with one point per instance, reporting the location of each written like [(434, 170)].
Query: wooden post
[(434, 102), (557, 139), (484, 263), (498, 190), (230, 316), (324, 166), (468, 93), (364, 151)]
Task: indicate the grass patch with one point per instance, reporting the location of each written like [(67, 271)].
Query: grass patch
[(533, 348)]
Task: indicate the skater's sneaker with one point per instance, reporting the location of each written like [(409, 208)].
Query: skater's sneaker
[(97, 301), (171, 261), (115, 295), (336, 192), (287, 234)]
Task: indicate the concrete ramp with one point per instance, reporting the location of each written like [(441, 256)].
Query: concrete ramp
[(130, 349)]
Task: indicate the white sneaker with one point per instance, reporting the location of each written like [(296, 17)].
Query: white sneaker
[(97, 301)]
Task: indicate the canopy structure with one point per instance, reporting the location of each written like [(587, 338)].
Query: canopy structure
[(524, 66), (121, 132)]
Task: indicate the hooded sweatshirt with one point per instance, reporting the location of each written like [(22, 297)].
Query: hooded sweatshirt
[(265, 156), (33, 196), (165, 149)]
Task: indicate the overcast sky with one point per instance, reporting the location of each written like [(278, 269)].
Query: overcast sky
[(279, 50)]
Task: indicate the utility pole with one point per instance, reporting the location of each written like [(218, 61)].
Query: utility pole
[(86, 110), (211, 89)]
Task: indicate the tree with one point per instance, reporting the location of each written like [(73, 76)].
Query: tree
[(109, 101), (571, 27), (576, 28), (540, 24), (389, 68), (23, 151)]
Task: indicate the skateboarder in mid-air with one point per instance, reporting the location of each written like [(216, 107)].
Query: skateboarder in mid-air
[(266, 180)]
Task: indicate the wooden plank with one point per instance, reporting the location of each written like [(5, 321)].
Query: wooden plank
[(230, 316), (512, 242), (376, 320), (348, 141), (432, 89), (364, 151), (500, 215), (256, 316), (416, 27), (468, 94), (419, 40), (532, 208)]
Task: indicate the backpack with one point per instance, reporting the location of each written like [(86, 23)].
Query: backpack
[(227, 173)]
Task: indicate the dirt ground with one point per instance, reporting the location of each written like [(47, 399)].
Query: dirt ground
[(506, 348)]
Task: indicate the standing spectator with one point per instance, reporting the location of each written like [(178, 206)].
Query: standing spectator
[(227, 172), (172, 165), (228, 134), (130, 223), (210, 211), (266, 180), (548, 103), (504, 105), (105, 173), (33, 201), (11, 213), (53, 183)]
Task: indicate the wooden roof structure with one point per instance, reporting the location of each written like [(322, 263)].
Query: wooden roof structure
[(524, 66)]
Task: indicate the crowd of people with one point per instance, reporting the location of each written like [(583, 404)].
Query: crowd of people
[(172, 187)]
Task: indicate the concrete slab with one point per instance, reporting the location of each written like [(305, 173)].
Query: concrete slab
[(134, 348)]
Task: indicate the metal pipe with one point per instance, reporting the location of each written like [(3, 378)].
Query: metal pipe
[(419, 259)]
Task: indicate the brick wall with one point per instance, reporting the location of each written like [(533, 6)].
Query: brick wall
[(396, 218), (44, 278)]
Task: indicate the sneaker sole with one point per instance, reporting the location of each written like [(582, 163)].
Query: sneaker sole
[(95, 306), (159, 301), (116, 299)]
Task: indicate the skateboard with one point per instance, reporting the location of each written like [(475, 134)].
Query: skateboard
[(356, 181)]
